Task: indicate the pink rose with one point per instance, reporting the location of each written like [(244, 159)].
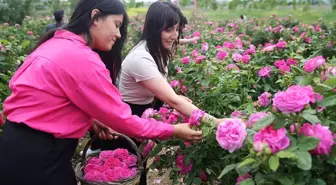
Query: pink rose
[(104, 155), (305, 90), (2, 121), (220, 30), (199, 59), (293, 127), (296, 29), (124, 172), (232, 67), (221, 55), (120, 153), (148, 113), (237, 57), (147, 148), (276, 140), (93, 176), (264, 99), (268, 48), (205, 46), (281, 44), (110, 175), (242, 178), (179, 162), (203, 176), (284, 69), (229, 45), (323, 134), (96, 161), (30, 33), (195, 117), (254, 118), (172, 118), (113, 162), (196, 34), (130, 161), (290, 101), (174, 83), (250, 51), (102, 168), (291, 61), (163, 111), (308, 40), (265, 72), (235, 114), (279, 63), (231, 134), (314, 63), (90, 167), (186, 60), (246, 59)]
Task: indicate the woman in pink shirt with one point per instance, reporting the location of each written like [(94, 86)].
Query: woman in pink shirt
[(62, 85)]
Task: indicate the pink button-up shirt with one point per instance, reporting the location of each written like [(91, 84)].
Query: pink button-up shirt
[(63, 85)]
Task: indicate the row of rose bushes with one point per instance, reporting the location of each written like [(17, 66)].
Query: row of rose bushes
[(16, 41), (278, 75)]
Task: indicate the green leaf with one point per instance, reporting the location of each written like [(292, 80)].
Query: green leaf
[(197, 181), (284, 180), (246, 166), (206, 131), (310, 111), (304, 160), (297, 70), (303, 80), (320, 182), (227, 169), (247, 182), (286, 154), (279, 122), (273, 163), (330, 82), (329, 101), (307, 143), (311, 118), (25, 43), (250, 107), (264, 122)]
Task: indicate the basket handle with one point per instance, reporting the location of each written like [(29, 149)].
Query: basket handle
[(134, 146)]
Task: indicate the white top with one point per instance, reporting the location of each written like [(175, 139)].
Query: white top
[(138, 66)]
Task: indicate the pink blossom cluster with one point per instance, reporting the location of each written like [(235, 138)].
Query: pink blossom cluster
[(110, 166)]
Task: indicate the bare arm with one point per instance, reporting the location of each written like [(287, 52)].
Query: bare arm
[(161, 89)]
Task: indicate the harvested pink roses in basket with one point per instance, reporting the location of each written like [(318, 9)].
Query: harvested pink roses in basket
[(111, 166)]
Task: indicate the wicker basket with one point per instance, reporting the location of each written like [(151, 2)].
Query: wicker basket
[(79, 170)]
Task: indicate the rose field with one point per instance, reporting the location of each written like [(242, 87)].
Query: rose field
[(274, 77)]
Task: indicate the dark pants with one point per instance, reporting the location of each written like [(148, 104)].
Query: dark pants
[(122, 143), (31, 157)]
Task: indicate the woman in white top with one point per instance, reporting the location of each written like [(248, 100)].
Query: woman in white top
[(144, 70)]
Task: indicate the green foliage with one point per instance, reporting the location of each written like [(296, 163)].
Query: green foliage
[(14, 11)]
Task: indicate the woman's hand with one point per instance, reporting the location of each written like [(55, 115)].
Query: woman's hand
[(219, 121), (103, 131), (184, 132), (186, 98)]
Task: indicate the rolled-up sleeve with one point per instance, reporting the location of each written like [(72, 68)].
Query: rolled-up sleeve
[(100, 99)]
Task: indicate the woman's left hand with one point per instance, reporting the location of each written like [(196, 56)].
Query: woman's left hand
[(103, 131)]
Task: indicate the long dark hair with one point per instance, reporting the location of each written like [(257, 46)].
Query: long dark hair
[(81, 21), (161, 16)]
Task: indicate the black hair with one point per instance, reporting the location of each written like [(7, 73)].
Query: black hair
[(58, 15), (162, 16), (81, 21)]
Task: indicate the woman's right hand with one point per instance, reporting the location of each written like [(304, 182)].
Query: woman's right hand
[(184, 132)]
